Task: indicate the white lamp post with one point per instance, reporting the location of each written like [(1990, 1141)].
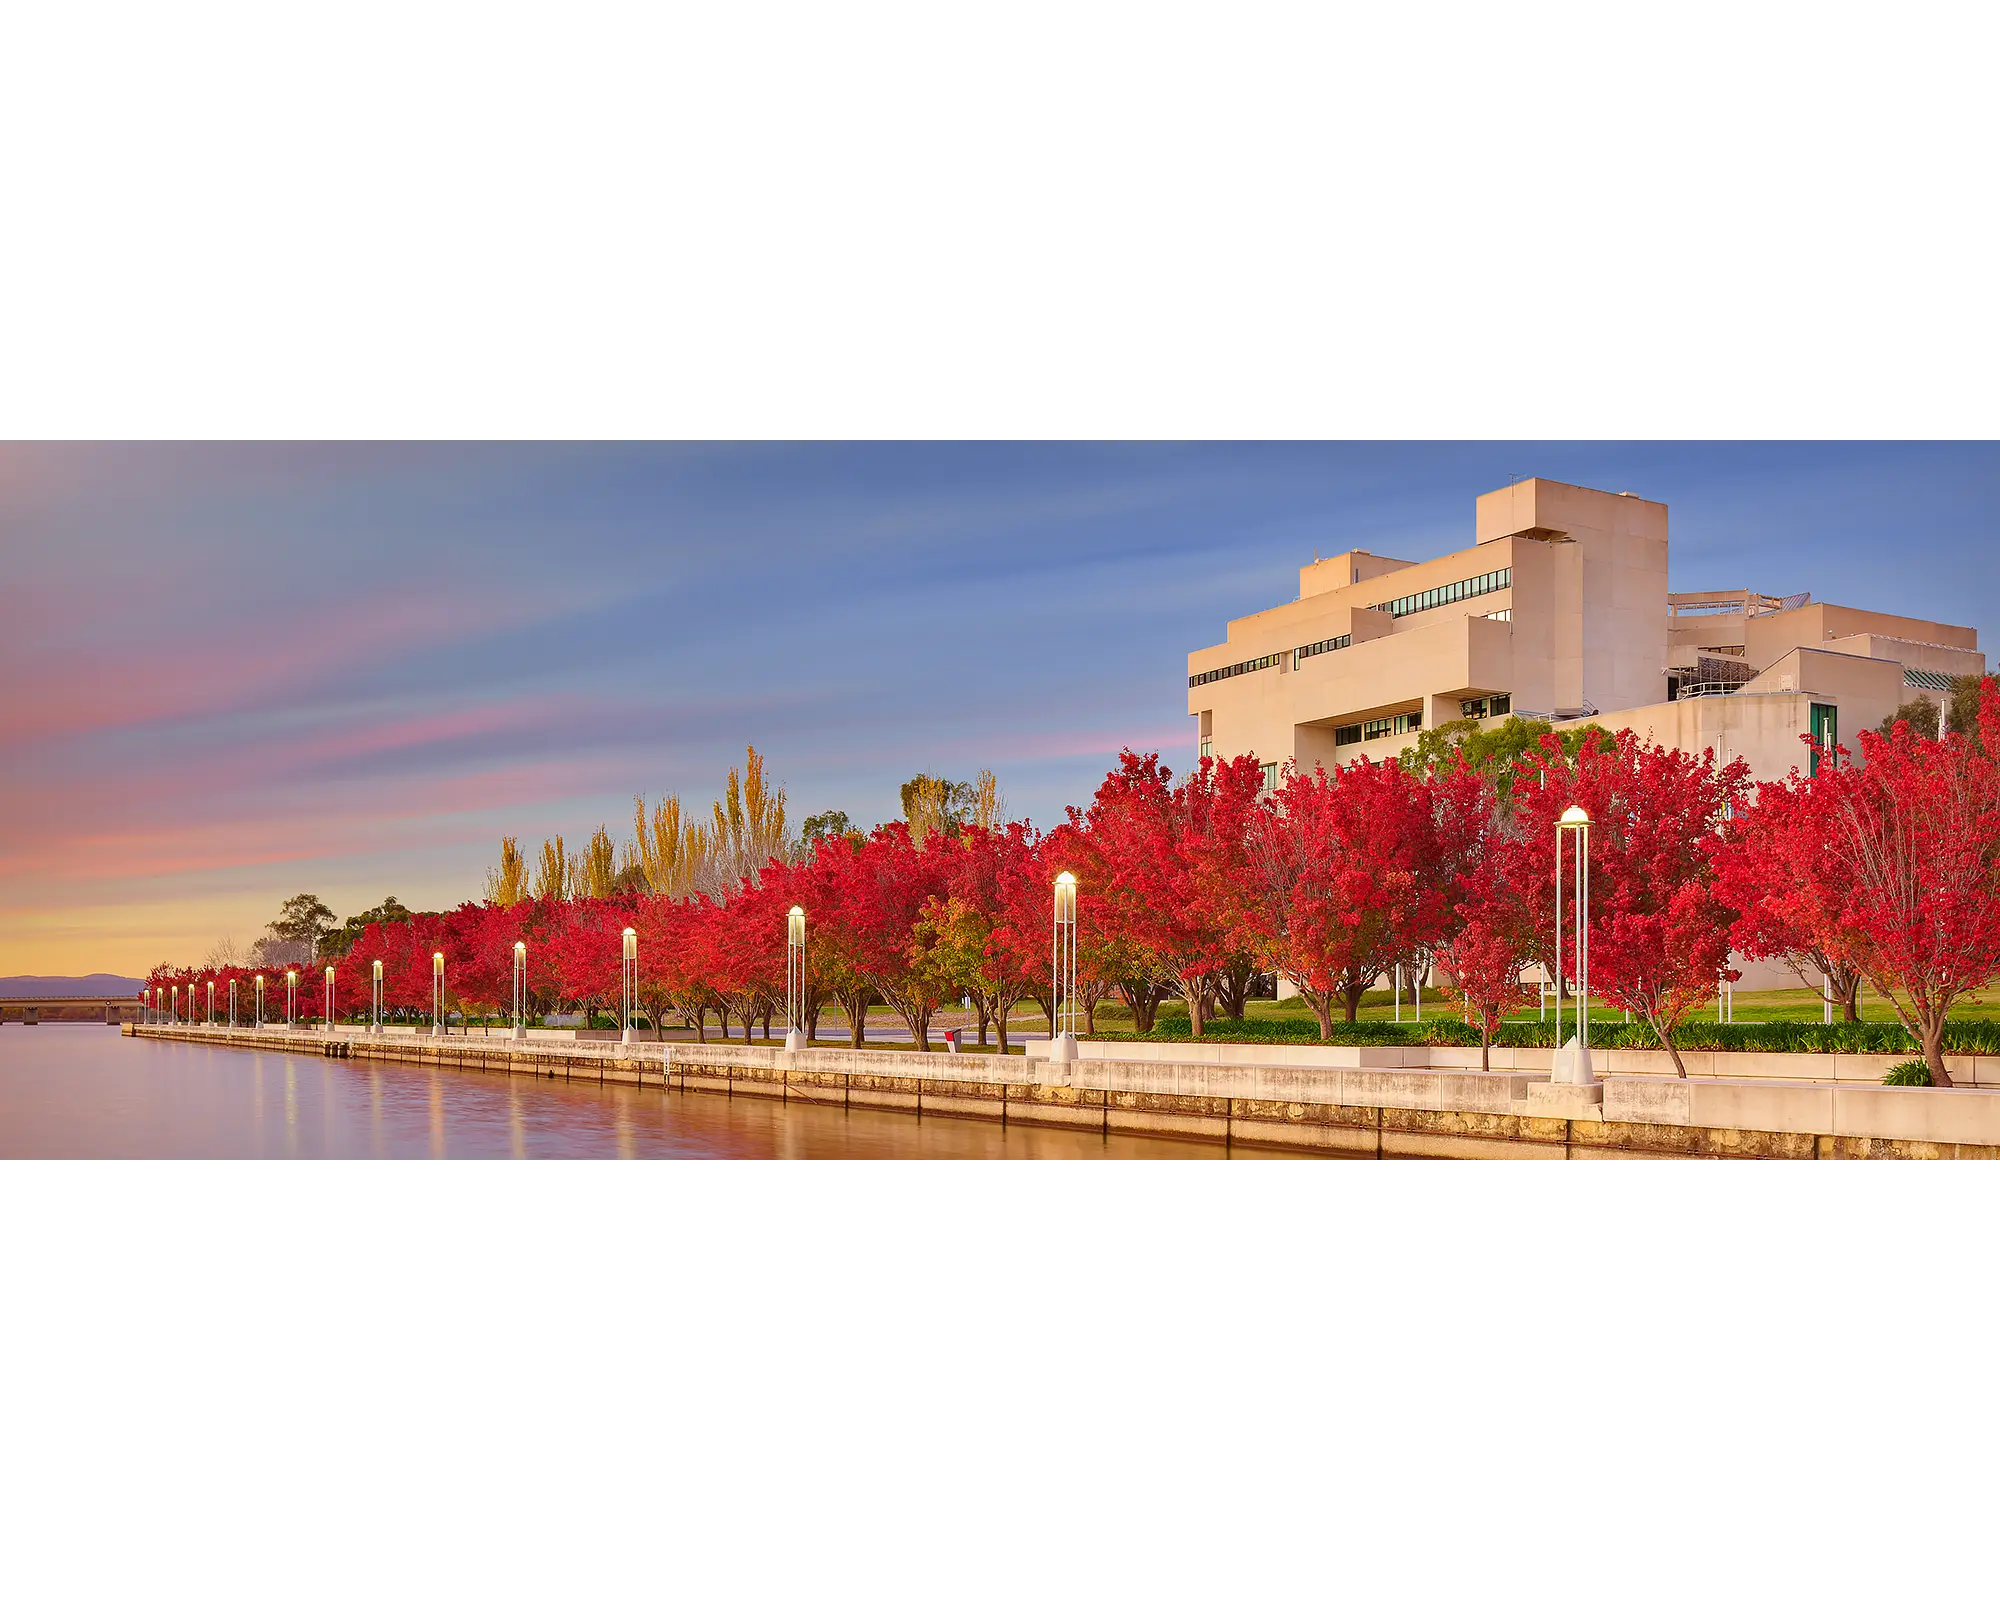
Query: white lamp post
[(795, 978), (211, 1002), (628, 983), (291, 998), (232, 1002), (260, 999), (1062, 960), (1572, 1060), (437, 994), (520, 989), (329, 999), (375, 1001), (174, 1005)]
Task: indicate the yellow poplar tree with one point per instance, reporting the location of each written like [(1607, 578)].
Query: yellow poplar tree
[(508, 882)]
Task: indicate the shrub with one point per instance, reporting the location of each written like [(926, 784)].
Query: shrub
[(1909, 1075)]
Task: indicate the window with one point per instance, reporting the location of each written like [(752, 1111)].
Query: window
[(1825, 735), (1241, 667), (1492, 705), (1500, 616), (1379, 728), (1320, 649), (1270, 776), (1448, 594), (1207, 748)]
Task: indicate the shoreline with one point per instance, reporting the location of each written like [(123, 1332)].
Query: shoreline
[(1340, 1106)]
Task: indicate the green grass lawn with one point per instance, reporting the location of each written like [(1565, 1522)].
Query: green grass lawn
[(1764, 1005)]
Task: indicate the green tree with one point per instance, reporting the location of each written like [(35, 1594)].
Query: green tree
[(935, 805), (335, 945), (1920, 714), (1492, 752), (1963, 717), (824, 825), (303, 920)]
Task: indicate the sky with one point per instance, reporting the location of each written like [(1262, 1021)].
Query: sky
[(229, 673)]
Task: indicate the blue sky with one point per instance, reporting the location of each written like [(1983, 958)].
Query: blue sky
[(234, 672)]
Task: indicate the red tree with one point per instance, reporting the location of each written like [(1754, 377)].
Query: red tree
[(1916, 830), (1775, 871), (1352, 873), (1172, 866), (1659, 931)]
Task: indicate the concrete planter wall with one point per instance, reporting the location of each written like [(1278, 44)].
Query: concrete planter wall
[(1975, 1071)]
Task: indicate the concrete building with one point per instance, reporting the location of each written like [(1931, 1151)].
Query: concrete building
[(1558, 609)]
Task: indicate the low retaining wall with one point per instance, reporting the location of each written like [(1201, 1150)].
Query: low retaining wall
[(1357, 1109), (1800, 1066)]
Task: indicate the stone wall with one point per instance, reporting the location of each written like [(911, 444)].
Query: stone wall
[(1353, 1108)]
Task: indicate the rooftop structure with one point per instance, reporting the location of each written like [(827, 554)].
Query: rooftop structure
[(1559, 609)]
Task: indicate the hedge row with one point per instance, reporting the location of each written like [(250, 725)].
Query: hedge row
[(1805, 1038)]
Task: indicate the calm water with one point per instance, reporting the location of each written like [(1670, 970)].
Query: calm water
[(82, 1089)]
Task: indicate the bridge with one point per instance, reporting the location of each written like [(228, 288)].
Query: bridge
[(70, 1008)]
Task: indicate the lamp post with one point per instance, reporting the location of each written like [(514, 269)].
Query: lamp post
[(174, 1006), (260, 999), (520, 990), (1572, 1060), (232, 1002), (211, 1002), (437, 994), (628, 983), (1062, 980), (795, 978), (291, 997), (375, 1001), (329, 999)]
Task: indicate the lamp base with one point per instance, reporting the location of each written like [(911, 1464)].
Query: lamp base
[(1572, 1063), (520, 1034), (1063, 1047), (795, 1040)]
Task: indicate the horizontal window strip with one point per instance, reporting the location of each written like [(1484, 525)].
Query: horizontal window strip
[(1237, 671), (1448, 593), (1321, 648)]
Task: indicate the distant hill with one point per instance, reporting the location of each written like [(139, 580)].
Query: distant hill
[(107, 985)]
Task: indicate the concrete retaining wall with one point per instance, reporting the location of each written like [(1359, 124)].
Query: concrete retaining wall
[(1355, 1109), (1976, 1071)]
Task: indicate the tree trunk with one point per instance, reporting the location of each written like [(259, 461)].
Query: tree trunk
[(1350, 994), (1322, 1008), (999, 1025), (1666, 1038), (857, 1020), (981, 1010), (1195, 993), (1933, 1037), (1485, 1046), (1847, 985)]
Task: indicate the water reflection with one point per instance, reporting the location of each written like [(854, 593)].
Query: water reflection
[(69, 1090)]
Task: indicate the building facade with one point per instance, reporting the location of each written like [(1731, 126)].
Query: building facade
[(1558, 609)]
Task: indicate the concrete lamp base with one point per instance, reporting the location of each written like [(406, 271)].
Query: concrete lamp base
[(1566, 1100), (520, 1035), (625, 1037), (1572, 1063), (1063, 1047), (795, 1040)]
